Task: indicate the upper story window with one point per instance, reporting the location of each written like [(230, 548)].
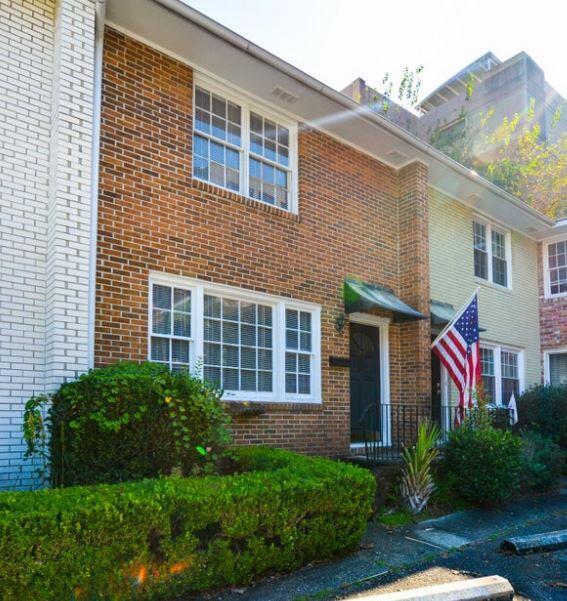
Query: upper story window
[(491, 253), (254, 346), (243, 148), (556, 268)]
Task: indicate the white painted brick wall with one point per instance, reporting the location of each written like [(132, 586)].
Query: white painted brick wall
[(46, 91)]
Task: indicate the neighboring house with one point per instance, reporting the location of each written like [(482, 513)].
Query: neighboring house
[(469, 249), (505, 88), (46, 130), (231, 214), (553, 304)]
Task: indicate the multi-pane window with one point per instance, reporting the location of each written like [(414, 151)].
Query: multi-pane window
[(253, 346), (170, 326), (488, 375), (298, 351), (480, 251), (237, 344), (557, 369), (217, 140), (499, 265), (510, 375), (557, 267), (490, 253), (269, 161), (237, 148)]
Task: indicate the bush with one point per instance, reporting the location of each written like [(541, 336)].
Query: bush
[(130, 421), (483, 463), (544, 410), (168, 536), (542, 461)]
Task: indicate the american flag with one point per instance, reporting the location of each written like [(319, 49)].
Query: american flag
[(458, 349)]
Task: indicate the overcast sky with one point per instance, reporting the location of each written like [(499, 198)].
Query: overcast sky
[(339, 40)]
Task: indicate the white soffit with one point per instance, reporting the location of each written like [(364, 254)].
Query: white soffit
[(258, 73)]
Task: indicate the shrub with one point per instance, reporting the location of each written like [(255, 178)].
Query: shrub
[(544, 409), (542, 461), (168, 536), (130, 421), (483, 463)]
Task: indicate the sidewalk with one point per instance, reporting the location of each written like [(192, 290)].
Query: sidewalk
[(463, 541)]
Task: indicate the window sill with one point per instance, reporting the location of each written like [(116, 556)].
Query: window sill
[(560, 295), (219, 191), (492, 285), (291, 406)]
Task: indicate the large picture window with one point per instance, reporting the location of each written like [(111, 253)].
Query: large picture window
[(253, 346), (238, 344), (242, 148), (491, 253)]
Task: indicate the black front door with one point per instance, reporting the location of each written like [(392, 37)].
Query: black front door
[(364, 380)]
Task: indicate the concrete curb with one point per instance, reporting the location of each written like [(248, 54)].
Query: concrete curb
[(477, 589), (546, 541)]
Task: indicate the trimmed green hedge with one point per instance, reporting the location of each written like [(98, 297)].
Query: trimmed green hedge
[(158, 538)]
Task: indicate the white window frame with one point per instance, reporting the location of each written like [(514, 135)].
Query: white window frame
[(546, 363), (497, 350), (248, 105), (489, 226), (383, 325), (546, 269), (198, 290)]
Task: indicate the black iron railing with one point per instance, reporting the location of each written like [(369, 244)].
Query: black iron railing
[(388, 429)]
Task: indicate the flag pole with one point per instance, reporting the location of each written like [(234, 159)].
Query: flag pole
[(457, 315)]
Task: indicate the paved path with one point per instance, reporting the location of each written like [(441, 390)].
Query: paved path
[(462, 542)]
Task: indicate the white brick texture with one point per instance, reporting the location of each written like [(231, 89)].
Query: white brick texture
[(46, 109)]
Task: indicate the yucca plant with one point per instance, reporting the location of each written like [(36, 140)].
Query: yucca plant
[(417, 484)]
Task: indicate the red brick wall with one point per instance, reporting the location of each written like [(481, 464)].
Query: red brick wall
[(552, 314), (352, 220)]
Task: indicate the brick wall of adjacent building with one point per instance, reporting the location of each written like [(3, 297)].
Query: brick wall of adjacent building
[(552, 313), (46, 66), (356, 217)]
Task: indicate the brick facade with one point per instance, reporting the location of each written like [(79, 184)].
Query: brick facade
[(46, 122), (356, 217)]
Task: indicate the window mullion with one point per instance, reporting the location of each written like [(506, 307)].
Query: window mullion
[(279, 351), (245, 149), (489, 251), (497, 375), (197, 325)]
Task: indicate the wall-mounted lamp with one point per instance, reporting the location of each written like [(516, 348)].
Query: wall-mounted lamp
[(340, 323)]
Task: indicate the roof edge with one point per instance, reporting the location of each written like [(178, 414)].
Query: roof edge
[(187, 12)]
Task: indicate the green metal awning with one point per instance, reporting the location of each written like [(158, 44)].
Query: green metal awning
[(361, 296), (443, 313)]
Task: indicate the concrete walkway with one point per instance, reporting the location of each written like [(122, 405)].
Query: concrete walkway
[(466, 541)]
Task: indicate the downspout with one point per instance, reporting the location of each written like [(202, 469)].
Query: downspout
[(95, 156)]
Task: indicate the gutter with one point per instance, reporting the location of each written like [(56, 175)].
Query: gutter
[(222, 32), (100, 9)]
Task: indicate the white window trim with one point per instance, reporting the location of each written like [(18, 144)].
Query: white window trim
[(489, 225), (383, 325), (546, 365), (497, 349), (279, 304), (248, 105), (546, 280)]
